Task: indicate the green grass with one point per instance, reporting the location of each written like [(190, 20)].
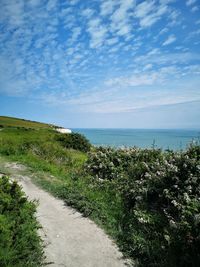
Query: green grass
[(15, 122), (20, 244)]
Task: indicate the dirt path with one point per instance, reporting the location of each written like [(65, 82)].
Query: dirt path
[(71, 240)]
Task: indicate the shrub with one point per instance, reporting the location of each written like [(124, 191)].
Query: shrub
[(104, 163), (160, 192), (75, 141), (162, 210), (110, 163), (20, 244)]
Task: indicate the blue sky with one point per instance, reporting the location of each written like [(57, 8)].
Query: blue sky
[(101, 63)]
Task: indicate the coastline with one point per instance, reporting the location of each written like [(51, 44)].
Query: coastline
[(176, 139)]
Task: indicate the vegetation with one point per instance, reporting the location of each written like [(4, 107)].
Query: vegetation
[(160, 192), (15, 122), (40, 149), (20, 244), (147, 199), (75, 141)]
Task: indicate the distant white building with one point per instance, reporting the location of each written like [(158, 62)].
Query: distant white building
[(63, 130)]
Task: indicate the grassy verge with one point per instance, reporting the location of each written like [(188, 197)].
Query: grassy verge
[(20, 244)]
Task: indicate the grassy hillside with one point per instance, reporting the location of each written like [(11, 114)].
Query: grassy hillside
[(15, 122)]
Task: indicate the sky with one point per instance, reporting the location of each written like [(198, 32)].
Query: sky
[(101, 63)]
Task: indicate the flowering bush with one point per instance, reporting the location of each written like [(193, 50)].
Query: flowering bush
[(107, 163), (104, 163), (160, 192)]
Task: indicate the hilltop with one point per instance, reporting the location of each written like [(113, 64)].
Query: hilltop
[(22, 123)]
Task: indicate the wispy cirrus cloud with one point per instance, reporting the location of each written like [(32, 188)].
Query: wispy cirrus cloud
[(190, 2), (171, 39), (113, 100), (134, 80), (149, 12), (195, 9)]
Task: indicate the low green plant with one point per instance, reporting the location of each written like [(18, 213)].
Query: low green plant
[(20, 244)]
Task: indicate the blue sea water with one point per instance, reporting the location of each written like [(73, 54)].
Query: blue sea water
[(144, 138)]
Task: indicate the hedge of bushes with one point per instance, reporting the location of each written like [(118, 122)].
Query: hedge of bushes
[(74, 140), (20, 244), (160, 192)]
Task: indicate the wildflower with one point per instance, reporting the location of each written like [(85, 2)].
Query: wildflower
[(172, 224), (147, 175), (175, 203), (186, 197)]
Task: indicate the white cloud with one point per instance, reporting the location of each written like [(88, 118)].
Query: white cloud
[(14, 12), (154, 51), (34, 2), (195, 8), (134, 80), (192, 69), (155, 56), (149, 12), (164, 30), (171, 39), (175, 17), (166, 1), (51, 5), (97, 33), (112, 41), (46, 51), (120, 23), (114, 100), (114, 49), (190, 2), (107, 7), (76, 31), (148, 67), (73, 2), (88, 12), (144, 8), (124, 30), (148, 21)]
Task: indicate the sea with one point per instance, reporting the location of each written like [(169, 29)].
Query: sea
[(173, 139)]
